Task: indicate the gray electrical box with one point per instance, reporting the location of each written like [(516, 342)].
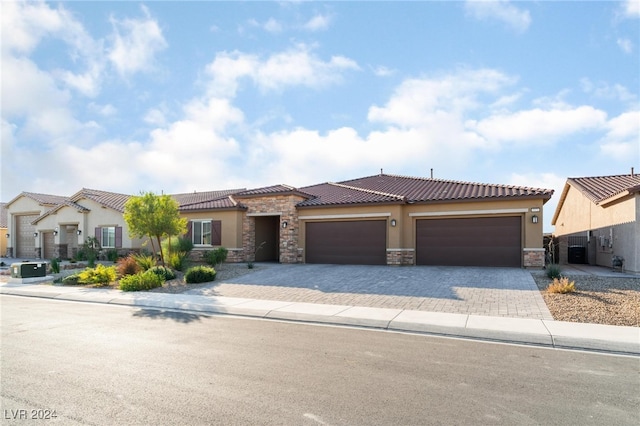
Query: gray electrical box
[(28, 270)]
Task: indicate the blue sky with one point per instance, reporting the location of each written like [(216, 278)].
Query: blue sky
[(195, 96)]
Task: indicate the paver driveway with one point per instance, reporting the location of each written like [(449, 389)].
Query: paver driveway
[(509, 292)]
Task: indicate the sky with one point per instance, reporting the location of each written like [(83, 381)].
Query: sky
[(173, 97)]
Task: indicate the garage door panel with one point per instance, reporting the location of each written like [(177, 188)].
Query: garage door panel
[(347, 242), (469, 241), (25, 241)]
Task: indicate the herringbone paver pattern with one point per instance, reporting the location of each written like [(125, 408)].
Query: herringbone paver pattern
[(508, 292)]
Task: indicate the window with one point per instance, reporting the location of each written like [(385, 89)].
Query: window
[(206, 232), (108, 239)]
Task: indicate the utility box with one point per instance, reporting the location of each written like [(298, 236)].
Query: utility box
[(29, 270), (577, 254)]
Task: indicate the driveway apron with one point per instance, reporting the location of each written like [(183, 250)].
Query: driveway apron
[(508, 292)]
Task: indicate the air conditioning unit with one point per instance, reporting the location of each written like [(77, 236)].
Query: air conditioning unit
[(28, 270)]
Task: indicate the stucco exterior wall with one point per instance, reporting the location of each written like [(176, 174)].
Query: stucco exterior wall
[(612, 229), (3, 241), (231, 222), (401, 238), (578, 213)]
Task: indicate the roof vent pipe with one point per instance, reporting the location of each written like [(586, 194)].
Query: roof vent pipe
[(432, 173), (632, 174)]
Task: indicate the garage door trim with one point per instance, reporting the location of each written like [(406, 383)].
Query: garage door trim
[(468, 212)]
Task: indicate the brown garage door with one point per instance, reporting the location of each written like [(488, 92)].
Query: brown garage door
[(347, 243), (25, 241), (485, 241)]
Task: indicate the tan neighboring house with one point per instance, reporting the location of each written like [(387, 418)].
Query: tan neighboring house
[(598, 218), (379, 220), (4, 235)]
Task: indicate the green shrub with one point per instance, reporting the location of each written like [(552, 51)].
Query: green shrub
[(141, 281), (73, 279), (127, 266), (178, 261), (165, 273), (101, 274), (112, 255), (562, 285), (217, 256), (144, 261), (554, 271), (55, 266), (200, 274), (178, 245)]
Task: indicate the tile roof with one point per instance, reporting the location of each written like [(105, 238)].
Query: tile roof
[(394, 188), (221, 203), (201, 197), (111, 200), (336, 194), (600, 188), (44, 199), (270, 190)]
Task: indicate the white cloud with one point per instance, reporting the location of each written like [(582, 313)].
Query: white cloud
[(426, 101), (625, 45), (135, 44), (537, 125), (272, 26), (500, 10), (318, 23), (297, 66), (631, 8), (542, 180), (25, 24), (382, 71), (622, 141), (604, 90), (107, 110)]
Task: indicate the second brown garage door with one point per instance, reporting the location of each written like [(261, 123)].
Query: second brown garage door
[(486, 241), (347, 243)]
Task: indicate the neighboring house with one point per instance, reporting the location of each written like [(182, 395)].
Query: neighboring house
[(22, 211), (598, 218), (382, 219), (3, 229)]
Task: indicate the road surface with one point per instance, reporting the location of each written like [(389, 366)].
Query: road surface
[(93, 364)]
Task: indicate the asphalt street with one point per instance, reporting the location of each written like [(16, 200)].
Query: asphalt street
[(102, 364)]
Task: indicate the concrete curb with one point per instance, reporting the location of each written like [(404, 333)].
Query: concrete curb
[(556, 334)]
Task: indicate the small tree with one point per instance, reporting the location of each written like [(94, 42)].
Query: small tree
[(153, 216)]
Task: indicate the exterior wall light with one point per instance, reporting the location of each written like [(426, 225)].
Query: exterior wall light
[(7, 235), (534, 218), (284, 224), (55, 233), (35, 235), (393, 222), (79, 232)]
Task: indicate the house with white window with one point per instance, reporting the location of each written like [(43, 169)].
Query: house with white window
[(374, 220)]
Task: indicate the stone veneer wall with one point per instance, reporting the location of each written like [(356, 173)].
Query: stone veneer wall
[(285, 205), (398, 257), (534, 258)]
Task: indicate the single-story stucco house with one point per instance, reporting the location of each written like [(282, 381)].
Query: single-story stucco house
[(598, 218), (382, 219)]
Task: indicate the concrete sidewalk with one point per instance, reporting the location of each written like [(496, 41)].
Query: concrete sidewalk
[(541, 332)]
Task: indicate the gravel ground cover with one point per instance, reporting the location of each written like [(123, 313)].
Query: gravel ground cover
[(597, 300)]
